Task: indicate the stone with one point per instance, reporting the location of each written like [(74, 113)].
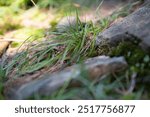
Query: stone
[(134, 26), (95, 68), (67, 23)]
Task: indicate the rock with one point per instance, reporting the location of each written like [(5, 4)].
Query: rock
[(66, 24), (95, 67), (134, 26)]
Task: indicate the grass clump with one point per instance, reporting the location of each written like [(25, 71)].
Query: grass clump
[(67, 47)]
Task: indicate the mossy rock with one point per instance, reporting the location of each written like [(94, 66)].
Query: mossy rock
[(135, 26)]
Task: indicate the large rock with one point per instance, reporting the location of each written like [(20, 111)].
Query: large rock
[(134, 26), (95, 67)]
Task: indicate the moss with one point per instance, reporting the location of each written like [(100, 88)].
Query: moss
[(132, 52), (103, 48), (137, 58), (138, 63)]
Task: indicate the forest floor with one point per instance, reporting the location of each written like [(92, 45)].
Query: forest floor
[(32, 47)]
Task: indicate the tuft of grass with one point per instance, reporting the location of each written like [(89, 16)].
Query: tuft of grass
[(69, 47)]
